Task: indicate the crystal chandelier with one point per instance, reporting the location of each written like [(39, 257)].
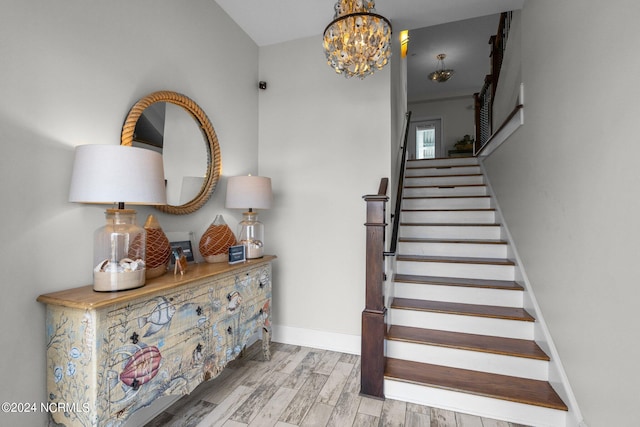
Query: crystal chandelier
[(358, 41), (443, 74)]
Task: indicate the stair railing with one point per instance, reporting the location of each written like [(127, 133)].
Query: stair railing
[(395, 217), (373, 315), (483, 113), (484, 98)]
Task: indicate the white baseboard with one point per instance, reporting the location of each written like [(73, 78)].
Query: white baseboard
[(324, 340)]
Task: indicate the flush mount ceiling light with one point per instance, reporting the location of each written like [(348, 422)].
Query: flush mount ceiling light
[(442, 74), (358, 41)]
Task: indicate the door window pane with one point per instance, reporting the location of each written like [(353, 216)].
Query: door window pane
[(425, 142)]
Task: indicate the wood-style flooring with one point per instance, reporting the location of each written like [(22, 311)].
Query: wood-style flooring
[(300, 386)]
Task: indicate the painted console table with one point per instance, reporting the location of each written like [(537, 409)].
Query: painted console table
[(110, 354)]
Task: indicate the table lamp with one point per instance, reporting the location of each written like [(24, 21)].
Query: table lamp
[(250, 192), (117, 174)]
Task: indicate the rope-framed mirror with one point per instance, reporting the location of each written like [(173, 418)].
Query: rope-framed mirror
[(132, 136)]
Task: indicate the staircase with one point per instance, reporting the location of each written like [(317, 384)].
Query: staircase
[(459, 337)]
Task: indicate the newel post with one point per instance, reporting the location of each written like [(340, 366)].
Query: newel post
[(373, 324)]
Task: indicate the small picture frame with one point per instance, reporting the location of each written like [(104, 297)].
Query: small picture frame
[(185, 245), (236, 254)]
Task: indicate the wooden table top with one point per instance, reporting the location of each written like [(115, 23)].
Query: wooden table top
[(85, 297)]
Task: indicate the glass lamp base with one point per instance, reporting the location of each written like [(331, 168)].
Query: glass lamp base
[(251, 235)]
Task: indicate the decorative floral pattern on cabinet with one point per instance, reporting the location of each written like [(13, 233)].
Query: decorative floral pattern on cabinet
[(119, 358)]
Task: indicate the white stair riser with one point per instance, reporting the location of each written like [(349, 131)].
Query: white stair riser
[(462, 270), (450, 232), (460, 294), (458, 323), (474, 404), (447, 203), (442, 170), (477, 250), (473, 360), (449, 217), (468, 190), (443, 180), (434, 163)]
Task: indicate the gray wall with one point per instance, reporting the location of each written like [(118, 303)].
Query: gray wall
[(567, 182), (70, 72), (324, 141)]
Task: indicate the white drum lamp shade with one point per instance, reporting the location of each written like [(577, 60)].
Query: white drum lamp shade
[(249, 192), (107, 174)]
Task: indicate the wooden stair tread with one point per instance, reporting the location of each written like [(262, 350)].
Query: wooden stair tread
[(481, 196), (451, 210), (444, 176), (513, 389), (454, 160), (489, 311), (449, 224), (444, 185), (449, 281), (472, 342), (455, 260), (461, 241), (458, 165)]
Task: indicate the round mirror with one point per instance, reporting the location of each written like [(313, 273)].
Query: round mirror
[(174, 125)]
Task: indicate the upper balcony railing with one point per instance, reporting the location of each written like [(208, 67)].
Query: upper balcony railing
[(484, 98)]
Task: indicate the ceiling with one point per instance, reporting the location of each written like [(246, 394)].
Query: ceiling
[(435, 26)]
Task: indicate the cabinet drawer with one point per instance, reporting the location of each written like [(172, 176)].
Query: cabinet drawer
[(241, 289)]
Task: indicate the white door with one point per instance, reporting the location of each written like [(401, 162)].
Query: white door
[(425, 139)]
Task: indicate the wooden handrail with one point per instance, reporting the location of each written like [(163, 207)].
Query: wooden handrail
[(382, 189), (396, 212)]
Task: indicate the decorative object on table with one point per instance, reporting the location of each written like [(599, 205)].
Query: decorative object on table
[(180, 261), (442, 74), (158, 248), (466, 143), (186, 247), (358, 40), (216, 240), (237, 254), (115, 174), (250, 192)]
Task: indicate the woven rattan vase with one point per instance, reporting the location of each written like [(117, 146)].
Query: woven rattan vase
[(216, 240)]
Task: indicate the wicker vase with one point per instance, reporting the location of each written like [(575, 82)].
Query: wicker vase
[(216, 240), (158, 248)]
